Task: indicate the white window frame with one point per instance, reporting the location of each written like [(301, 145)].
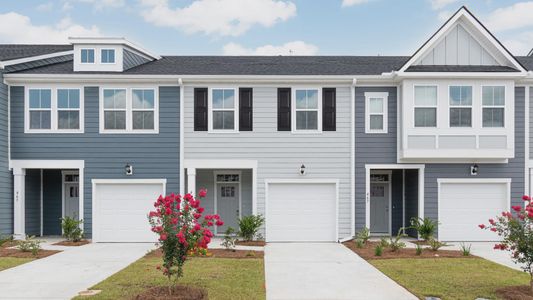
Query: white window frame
[(53, 109), (450, 106), (385, 113), (79, 109), (436, 106), (294, 110), (129, 111), (142, 109), (114, 56), (94, 55), (210, 110), (483, 106)]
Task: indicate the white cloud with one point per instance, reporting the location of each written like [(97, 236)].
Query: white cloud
[(516, 16), (218, 17), (438, 4), (290, 48), (520, 44), (98, 4), (346, 3), (45, 6), (17, 28)]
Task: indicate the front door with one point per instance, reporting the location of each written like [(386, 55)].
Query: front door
[(228, 205), (379, 207), (72, 204)]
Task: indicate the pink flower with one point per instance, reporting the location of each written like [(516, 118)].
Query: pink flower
[(516, 208), (526, 198), (493, 229), (197, 227), (174, 221), (163, 237), (482, 226), (197, 216), (209, 223), (491, 221), (200, 210), (202, 193), (168, 211), (219, 223)]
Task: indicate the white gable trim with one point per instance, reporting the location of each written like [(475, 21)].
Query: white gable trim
[(463, 12), (6, 63)]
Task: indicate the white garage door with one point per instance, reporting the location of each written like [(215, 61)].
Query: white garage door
[(301, 212), (121, 208), (463, 206)]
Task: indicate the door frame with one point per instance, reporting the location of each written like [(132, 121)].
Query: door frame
[(389, 184), (216, 183), (63, 182)]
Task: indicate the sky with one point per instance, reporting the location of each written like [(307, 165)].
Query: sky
[(261, 27)]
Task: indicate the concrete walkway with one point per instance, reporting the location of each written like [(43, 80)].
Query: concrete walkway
[(63, 275), (324, 271)]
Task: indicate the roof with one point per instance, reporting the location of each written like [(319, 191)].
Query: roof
[(250, 65), (16, 51), (450, 68)]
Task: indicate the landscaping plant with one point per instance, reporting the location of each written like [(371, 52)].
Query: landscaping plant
[(30, 244), (435, 244), (249, 225), (383, 242), (378, 251), (229, 239), (5, 239), (395, 243), (177, 222), (516, 231), (418, 249), (359, 243), (424, 227), (72, 229), (465, 249), (363, 235)]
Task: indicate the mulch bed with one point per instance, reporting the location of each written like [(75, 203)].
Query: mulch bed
[(179, 292), (221, 253), (4, 252), (9, 244), (70, 243), (521, 292), (251, 243), (368, 252)]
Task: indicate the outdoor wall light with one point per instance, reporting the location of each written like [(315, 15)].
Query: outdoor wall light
[(129, 169), (302, 169), (474, 170)]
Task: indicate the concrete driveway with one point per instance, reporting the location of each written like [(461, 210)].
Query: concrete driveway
[(324, 271), (63, 275)]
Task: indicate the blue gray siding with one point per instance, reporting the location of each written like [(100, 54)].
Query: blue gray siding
[(39, 63), (52, 202), (132, 60), (6, 177), (33, 202), (105, 155), (371, 148)]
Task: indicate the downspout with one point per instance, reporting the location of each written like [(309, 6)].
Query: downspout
[(181, 139), (352, 150)]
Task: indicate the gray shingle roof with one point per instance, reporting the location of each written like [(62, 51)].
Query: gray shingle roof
[(13, 51)]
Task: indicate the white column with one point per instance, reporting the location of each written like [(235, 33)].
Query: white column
[(191, 180), (19, 230)]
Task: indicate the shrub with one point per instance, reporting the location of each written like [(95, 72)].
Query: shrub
[(435, 245), (383, 242), (378, 251), (72, 229), (359, 243), (418, 249), (5, 239), (249, 225), (176, 220), (516, 232), (363, 235), (395, 243), (30, 244), (465, 249), (229, 239), (424, 227)]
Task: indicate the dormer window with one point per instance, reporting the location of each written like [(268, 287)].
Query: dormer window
[(87, 56), (107, 56)]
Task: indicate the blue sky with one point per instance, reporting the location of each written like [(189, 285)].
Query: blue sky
[(268, 27)]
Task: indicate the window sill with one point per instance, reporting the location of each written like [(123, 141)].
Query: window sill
[(50, 131), (128, 132)]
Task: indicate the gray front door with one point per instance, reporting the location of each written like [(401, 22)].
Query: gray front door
[(72, 202), (379, 207), (228, 205)]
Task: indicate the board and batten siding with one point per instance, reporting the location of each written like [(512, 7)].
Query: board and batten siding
[(6, 177), (280, 154), (105, 155)]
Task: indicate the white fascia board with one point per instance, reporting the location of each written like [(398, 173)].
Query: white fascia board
[(456, 75), (17, 61), (112, 40)]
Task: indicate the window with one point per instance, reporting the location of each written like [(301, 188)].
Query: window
[(493, 106), (307, 110), (87, 56), (460, 106), (114, 109), (40, 109), (223, 110), (107, 56), (68, 109), (425, 106), (376, 112), (143, 110)]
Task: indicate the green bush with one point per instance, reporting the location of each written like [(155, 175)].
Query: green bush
[(425, 227), (72, 229), (418, 249), (435, 245), (465, 249), (229, 239), (5, 239), (359, 243), (249, 225), (30, 244), (395, 243), (379, 250), (363, 235), (383, 242)]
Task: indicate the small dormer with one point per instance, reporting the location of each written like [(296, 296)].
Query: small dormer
[(104, 54)]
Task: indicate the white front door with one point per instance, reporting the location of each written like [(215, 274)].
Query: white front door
[(72, 203), (379, 207), (228, 205)]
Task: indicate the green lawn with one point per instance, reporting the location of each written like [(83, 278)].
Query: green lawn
[(10, 262), (451, 278), (223, 278)]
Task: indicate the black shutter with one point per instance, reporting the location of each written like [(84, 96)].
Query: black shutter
[(329, 109), (246, 109), (284, 109), (200, 109)]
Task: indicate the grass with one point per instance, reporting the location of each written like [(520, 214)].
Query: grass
[(451, 278), (10, 262), (223, 278)]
